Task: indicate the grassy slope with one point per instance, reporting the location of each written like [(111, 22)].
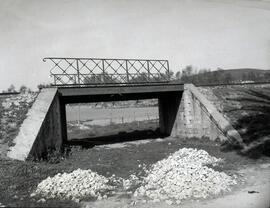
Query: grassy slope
[(19, 179), (12, 117), (248, 108)]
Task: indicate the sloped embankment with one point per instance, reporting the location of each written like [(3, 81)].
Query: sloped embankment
[(13, 110), (248, 109)]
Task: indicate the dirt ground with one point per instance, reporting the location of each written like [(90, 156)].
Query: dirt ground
[(85, 130), (253, 189), (19, 179)]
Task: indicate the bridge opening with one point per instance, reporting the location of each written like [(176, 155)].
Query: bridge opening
[(167, 100), (89, 80), (110, 122)]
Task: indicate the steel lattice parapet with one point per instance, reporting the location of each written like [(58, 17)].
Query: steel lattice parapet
[(83, 71)]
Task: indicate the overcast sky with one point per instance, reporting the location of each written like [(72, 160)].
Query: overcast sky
[(204, 33)]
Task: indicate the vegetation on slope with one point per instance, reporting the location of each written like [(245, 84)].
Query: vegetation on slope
[(19, 179), (13, 110), (248, 108), (221, 76)]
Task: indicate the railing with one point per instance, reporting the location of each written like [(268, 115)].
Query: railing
[(82, 71)]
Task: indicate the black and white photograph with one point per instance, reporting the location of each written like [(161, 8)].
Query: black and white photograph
[(135, 103)]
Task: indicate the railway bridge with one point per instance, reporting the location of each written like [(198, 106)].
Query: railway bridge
[(86, 80), (183, 110)]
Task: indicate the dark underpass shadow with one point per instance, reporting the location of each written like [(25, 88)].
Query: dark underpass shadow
[(117, 138)]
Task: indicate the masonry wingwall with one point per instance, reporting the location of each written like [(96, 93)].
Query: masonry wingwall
[(41, 124), (198, 117)]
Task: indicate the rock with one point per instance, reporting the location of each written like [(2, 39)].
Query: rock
[(182, 175), (42, 200), (133, 203), (74, 185), (170, 202), (6, 105)]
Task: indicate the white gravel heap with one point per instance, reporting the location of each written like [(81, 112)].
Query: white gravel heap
[(74, 185), (184, 175)]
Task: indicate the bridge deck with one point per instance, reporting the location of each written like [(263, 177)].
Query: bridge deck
[(113, 93), (123, 89)]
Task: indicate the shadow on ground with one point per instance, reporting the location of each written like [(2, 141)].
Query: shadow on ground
[(117, 138)]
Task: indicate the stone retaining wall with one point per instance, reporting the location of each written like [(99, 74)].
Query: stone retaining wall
[(198, 117), (34, 134)]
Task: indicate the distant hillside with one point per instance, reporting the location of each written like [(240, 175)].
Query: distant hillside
[(226, 76), (238, 74)]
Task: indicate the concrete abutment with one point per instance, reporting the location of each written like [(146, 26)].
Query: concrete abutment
[(183, 112), (41, 131)]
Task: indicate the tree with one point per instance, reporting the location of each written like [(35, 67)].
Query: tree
[(141, 78), (267, 76), (244, 77), (187, 72), (251, 76), (178, 75), (23, 89), (40, 86), (11, 88), (99, 78), (228, 78), (170, 74), (203, 71)]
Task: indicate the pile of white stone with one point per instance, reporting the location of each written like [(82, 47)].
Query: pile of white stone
[(2, 205), (74, 186), (184, 175)]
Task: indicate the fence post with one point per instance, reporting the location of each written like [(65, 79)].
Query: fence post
[(148, 71), (78, 72), (127, 71), (168, 70), (103, 72)]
